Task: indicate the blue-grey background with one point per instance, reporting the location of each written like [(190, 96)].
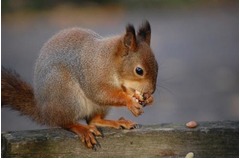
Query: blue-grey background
[(195, 42)]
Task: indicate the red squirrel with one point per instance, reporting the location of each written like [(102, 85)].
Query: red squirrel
[(80, 75)]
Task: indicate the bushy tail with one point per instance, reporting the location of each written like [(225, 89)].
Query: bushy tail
[(18, 94)]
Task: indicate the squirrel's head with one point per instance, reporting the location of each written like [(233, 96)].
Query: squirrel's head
[(138, 68)]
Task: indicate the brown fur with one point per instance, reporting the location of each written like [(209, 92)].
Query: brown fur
[(18, 94), (79, 74)]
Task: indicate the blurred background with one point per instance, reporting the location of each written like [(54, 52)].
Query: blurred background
[(196, 44)]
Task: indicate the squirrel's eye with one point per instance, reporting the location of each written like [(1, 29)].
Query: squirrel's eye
[(139, 71)]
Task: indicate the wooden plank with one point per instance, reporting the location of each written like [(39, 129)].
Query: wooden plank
[(209, 139)]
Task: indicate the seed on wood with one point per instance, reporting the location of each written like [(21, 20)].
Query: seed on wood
[(191, 124)]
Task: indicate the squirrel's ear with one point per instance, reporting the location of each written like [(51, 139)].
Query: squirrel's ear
[(144, 33), (130, 40)]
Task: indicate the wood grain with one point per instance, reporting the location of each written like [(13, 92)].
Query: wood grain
[(208, 139)]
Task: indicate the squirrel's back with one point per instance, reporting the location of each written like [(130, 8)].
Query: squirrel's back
[(82, 52), (70, 69)]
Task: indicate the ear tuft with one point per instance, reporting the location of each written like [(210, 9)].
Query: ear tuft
[(130, 38), (144, 32)]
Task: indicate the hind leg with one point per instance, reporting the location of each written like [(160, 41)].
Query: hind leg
[(87, 134), (98, 120), (62, 105)]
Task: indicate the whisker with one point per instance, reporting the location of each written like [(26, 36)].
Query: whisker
[(165, 88), (157, 91)]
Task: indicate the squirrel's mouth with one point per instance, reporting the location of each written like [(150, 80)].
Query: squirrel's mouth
[(141, 97), (138, 95)]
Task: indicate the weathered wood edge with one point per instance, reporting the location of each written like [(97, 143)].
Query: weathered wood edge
[(160, 140)]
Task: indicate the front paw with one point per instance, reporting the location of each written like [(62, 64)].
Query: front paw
[(143, 99), (135, 107), (126, 124), (148, 100)]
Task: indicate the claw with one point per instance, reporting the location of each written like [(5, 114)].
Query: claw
[(96, 146), (99, 145), (101, 131), (87, 134), (121, 127), (137, 126), (121, 118)]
